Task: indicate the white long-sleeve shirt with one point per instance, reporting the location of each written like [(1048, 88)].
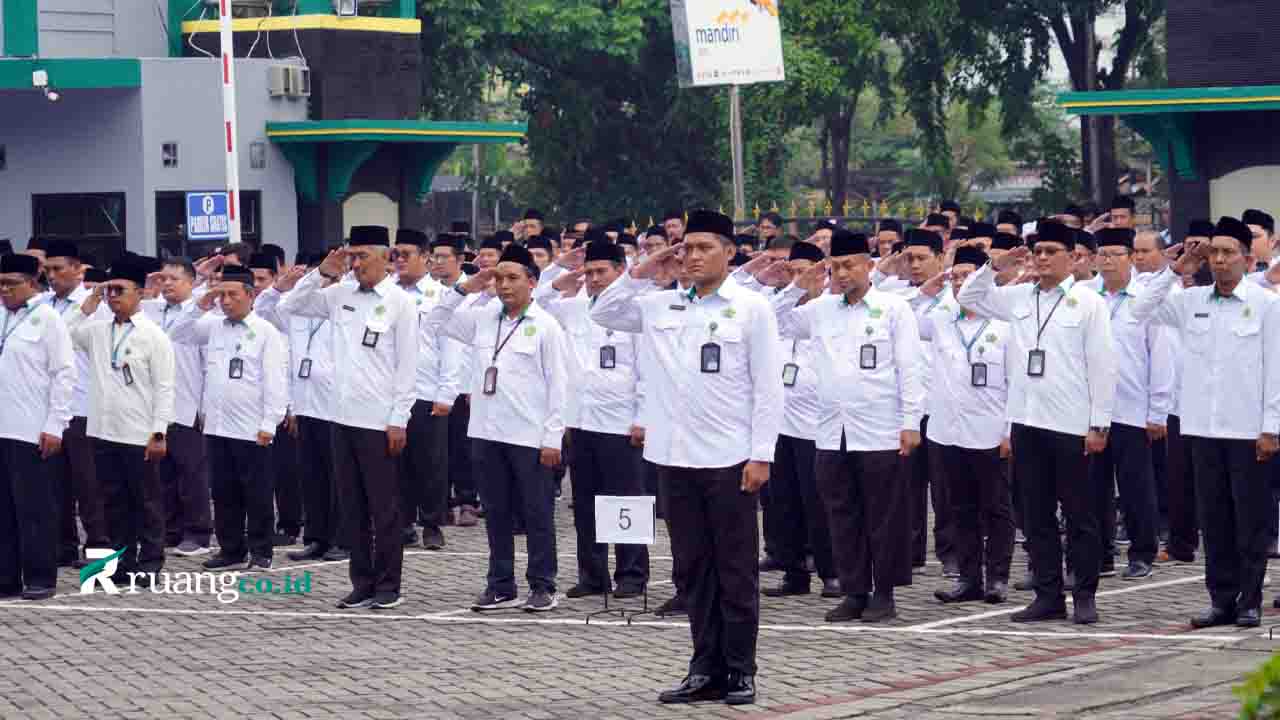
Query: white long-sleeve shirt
[(64, 307), (1231, 355), (702, 419), (373, 386), (118, 411), (441, 360), (868, 407), (239, 408), (1144, 363), (311, 339), (37, 373), (527, 406), (1077, 389), (961, 414), (605, 400), (188, 360)]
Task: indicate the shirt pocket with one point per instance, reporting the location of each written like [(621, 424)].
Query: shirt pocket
[(1199, 335), (30, 330)]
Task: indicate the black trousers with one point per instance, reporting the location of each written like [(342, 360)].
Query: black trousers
[(604, 464), (928, 484), (184, 475), (287, 482), (368, 482), (1233, 495), (793, 486), (1127, 462), (461, 476), (714, 532), (980, 505), (1052, 468), (424, 468), (679, 575), (134, 502), (78, 492), (500, 469), (1184, 523), (319, 496), (242, 495), (869, 517), (28, 518)]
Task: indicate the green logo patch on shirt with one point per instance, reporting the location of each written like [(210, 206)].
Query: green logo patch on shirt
[(530, 330)]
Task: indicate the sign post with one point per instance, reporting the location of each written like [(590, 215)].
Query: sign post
[(625, 520), (734, 43), (208, 216), (229, 119)]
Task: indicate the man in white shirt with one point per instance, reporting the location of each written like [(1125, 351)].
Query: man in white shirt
[(424, 467), (37, 371), (519, 357), (602, 408), (1060, 404), (867, 357), (375, 345), (967, 434), (1144, 397), (74, 477), (312, 397), (245, 400), (717, 409), (184, 471), (1230, 410), (131, 405)]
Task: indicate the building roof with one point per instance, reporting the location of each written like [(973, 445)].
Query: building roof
[(1171, 100)]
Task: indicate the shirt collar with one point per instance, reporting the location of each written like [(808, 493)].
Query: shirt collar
[(1065, 286), (382, 288), (728, 290), (1239, 293)]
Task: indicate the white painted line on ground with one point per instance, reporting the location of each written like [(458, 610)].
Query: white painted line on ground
[(1137, 587), (520, 618)]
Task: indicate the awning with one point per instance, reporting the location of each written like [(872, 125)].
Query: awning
[(350, 143), (1166, 117)]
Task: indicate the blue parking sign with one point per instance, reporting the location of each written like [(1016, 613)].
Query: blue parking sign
[(207, 216)]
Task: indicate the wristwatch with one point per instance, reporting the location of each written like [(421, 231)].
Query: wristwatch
[(327, 276)]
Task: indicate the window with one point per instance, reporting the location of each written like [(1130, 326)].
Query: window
[(171, 224), (258, 155), (169, 154), (94, 221)]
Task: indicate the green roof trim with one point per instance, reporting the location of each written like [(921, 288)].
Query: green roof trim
[(21, 28), (72, 73), (1172, 100), (398, 131)]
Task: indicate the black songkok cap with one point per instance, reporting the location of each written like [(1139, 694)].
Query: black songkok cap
[(806, 251), (705, 221), (969, 255), (370, 235), (844, 242), (521, 256), (20, 263), (1115, 237), (918, 237)]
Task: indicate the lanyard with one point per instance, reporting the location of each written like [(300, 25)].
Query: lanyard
[(6, 332), (53, 302), (793, 350), (115, 346), (311, 333), (498, 348), (1116, 308), (1045, 324), (968, 344), (165, 322)]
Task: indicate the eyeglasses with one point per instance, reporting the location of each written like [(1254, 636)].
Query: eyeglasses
[(116, 290)]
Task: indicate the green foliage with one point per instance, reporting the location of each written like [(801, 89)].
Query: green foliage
[(1260, 693)]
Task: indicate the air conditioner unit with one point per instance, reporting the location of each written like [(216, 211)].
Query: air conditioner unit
[(298, 81), (278, 80)]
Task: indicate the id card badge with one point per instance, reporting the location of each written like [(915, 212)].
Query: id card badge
[(128, 374), (978, 374), (790, 372), (1035, 363), (490, 380), (867, 357), (370, 338), (236, 370), (711, 358), (608, 357), (304, 368)]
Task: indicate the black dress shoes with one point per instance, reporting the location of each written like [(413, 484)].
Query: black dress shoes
[(742, 689), (787, 588), (997, 592), (1249, 618), (962, 591), (831, 589), (1042, 608), (581, 591), (1086, 611), (879, 610), (695, 688), (310, 551), (1213, 617), (851, 608)]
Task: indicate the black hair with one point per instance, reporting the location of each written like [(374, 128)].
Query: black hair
[(183, 263)]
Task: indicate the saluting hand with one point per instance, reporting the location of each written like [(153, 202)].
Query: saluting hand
[(289, 279), (1011, 259), (478, 282), (1196, 251), (934, 285), (656, 263), (814, 279), (50, 445), (570, 283), (335, 263), (206, 301), (754, 476), (91, 303), (397, 439), (573, 259)]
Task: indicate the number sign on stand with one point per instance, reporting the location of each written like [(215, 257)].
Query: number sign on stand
[(624, 520)]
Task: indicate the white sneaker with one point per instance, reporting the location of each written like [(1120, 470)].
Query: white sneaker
[(189, 548)]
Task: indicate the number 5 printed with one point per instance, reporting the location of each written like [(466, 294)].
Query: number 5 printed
[(624, 519)]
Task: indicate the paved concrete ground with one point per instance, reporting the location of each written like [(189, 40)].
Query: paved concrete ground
[(296, 656)]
